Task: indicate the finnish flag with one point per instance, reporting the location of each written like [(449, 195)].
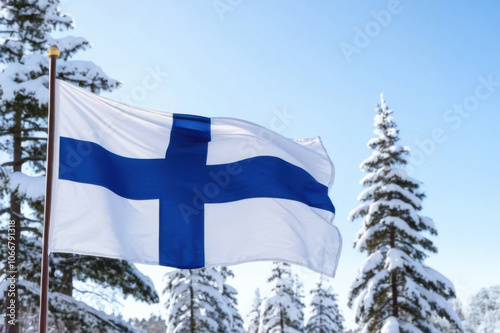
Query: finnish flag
[(186, 191)]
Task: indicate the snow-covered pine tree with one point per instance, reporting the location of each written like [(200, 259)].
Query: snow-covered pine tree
[(155, 324), (483, 313), (325, 313), (25, 35), (298, 297), (280, 312), (229, 294), (253, 317), (194, 301), (395, 291), (444, 325)]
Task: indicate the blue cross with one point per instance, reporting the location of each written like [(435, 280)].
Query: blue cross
[(184, 183)]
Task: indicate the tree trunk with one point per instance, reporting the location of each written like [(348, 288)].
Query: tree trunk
[(67, 281), (282, 323), (321, 315), (394, 280), (394, 285), (192, 323)]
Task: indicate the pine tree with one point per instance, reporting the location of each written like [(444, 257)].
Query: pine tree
[(25, 35), (395, 290), (444, 325), (484, 311), (325, 313), (155, 324), (280, 312), (235, 322), (298, 297), (194, 301), (253, 317)]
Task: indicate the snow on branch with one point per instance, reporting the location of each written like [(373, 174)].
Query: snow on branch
[(86, 73), (31, 187), (361, 210), (391, 325), (387, 174), (370, 263), (394, 204), (79, 311), (377, 282), (369, 193), (428, 224), (69, 44), (26, 78)]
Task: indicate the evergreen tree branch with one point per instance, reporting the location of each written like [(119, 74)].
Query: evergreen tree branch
[(24, 160)]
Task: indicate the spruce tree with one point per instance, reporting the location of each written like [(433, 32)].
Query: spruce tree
[(25, 35), (194, 301), (325, 313), (234, 322), (444, 325), (280, 312), (395, 290), (484, 311), (298, 297), (253, 317), (155, 324)]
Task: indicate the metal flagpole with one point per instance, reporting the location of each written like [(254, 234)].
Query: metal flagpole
[(53, 54)]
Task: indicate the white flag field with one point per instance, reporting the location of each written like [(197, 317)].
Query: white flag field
[(186, 191)]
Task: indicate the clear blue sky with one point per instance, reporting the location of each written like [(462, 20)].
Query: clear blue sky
[(326, 62)]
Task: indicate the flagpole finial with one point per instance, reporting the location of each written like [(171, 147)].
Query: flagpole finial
[(53, 51)]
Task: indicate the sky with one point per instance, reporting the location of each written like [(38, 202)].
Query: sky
[(321, 67)]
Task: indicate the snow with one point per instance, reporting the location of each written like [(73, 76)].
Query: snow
[(371, 262), (394, 204), (484, 311), (365, 233), (384, 138), (146, 280), (52, 8), (14, 45), (360, 210), (402, 225), (415, 201), (83, 72), (384, 117), (18, 77), (402, 175), (32, 187), (368, 193), (439, 279), (428, 300), (386, 174), (430, 327), (375, 158), (202, 291), (374, 284), (391, 325), (27, 76), (70, 305), (395, 259), (280, 303), (428, 223), (69, 43), (253, 318), (391, 200), (392, 131)]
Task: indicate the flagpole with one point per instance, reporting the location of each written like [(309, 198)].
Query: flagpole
[(53, 53)]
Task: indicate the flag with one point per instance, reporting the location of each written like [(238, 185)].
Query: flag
[(186, 191)]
